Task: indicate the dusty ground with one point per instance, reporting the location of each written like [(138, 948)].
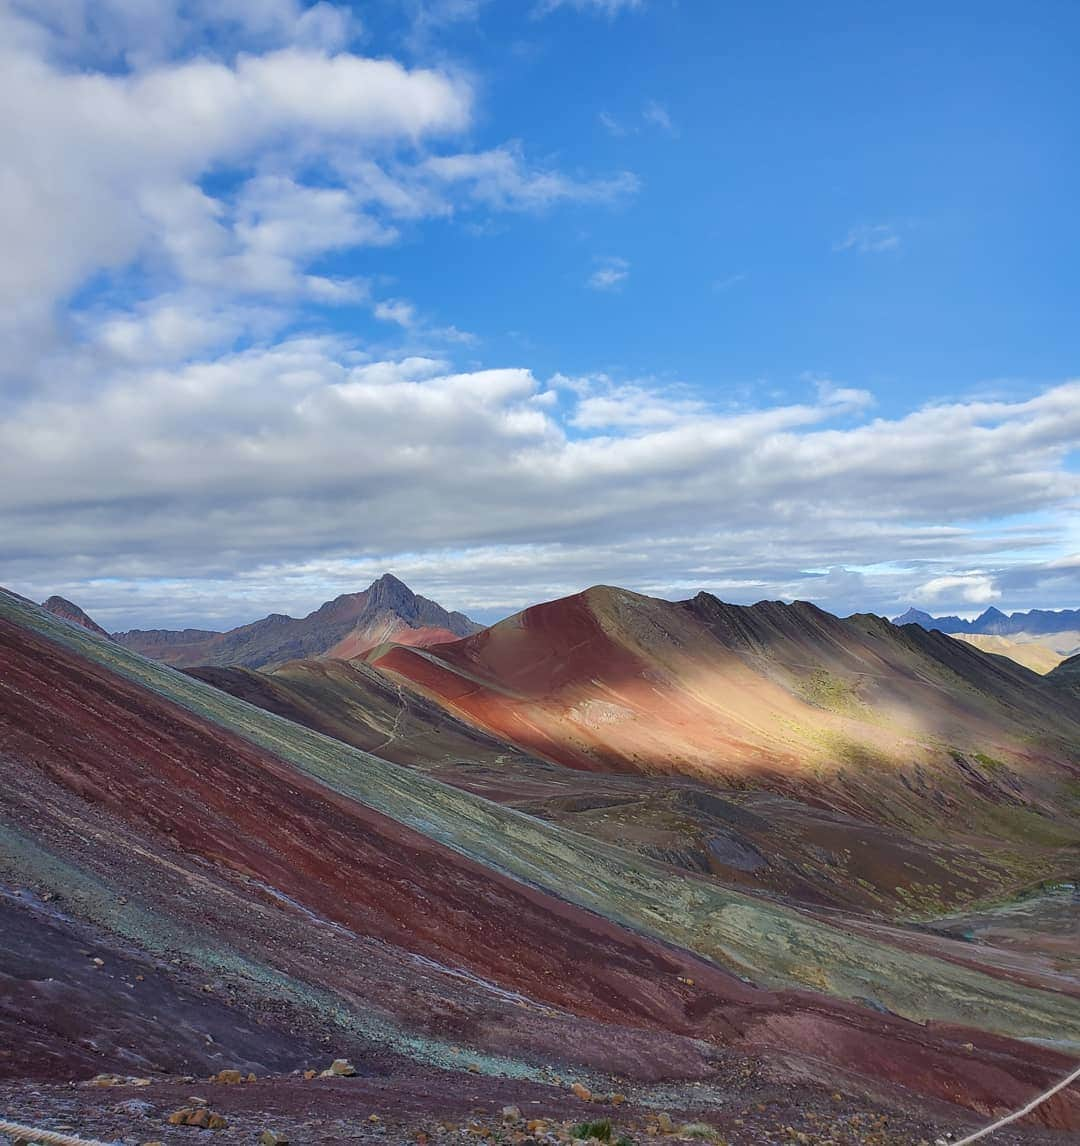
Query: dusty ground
[(428, 1106)]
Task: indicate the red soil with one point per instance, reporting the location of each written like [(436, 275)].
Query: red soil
[(195, 824)]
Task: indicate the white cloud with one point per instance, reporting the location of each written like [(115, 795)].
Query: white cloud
[(657, 115), (971, 588), (870, 239), (610, 274), (304, 453), (226, 177), (141, 34), (500, 178), (631, 407), (396, 310)]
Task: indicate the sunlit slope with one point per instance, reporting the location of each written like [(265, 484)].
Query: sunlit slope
[(894, 724), (1031, 654), (795, 848), (765, 942)]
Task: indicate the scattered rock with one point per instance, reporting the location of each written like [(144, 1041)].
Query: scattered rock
[(339, 1068), (310, 1074), (135, 1108), (231, 1077), (200, 1116), (511, 1114), (272, 1138), (106, 1080), (251, 1077), (582, 1092), (98, 962), (664, 1123)]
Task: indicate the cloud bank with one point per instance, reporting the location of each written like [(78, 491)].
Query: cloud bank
[(183, 442)]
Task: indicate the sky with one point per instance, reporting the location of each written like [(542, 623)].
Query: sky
[(512, 297)]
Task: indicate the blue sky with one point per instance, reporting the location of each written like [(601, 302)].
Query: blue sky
[(511, 298)]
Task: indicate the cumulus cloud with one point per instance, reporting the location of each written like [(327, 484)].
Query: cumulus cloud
[(230, 164), (303, 453), (974, 588), (175, 448)]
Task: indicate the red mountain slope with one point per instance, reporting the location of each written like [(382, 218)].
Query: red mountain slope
[(265, 908)]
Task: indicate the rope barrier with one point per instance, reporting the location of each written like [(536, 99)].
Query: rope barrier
[(46, 1137), (1015, 1114), (53, 1138)]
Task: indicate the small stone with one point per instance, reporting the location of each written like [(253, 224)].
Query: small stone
[(195, 1100), (374, 1118), (134, 1108), (664, 1123), (98, 962), (310, 1074), (251, 1078), (582, 1092), (231, 1077), (272, 1138), (617, 1099), (538, 1126), (342, 1068), (511, 1114), (106, 1080)]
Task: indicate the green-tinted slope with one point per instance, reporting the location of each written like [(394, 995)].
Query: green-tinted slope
[(768, 943)]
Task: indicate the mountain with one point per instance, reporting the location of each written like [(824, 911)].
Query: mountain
[(942, 624), (345, 627), (1067, 675), (995, 623), (190, 883), (1038, 639), (898, 726), (66, 610)]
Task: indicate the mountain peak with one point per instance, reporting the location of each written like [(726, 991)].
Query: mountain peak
[(386, 611), (68, 611)]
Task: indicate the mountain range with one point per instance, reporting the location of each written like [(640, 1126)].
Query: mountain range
[(993, 621), (1039, 639), (344, 627), (611, 838)]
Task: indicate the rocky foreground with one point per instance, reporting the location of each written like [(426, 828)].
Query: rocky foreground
[(428, 1107)]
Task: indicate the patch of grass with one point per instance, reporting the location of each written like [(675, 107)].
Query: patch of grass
[(699, 1130), (600, 1130), (991, 764)]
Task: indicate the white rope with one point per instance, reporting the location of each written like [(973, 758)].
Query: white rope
[(48, 1137), (1015, 1115)]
